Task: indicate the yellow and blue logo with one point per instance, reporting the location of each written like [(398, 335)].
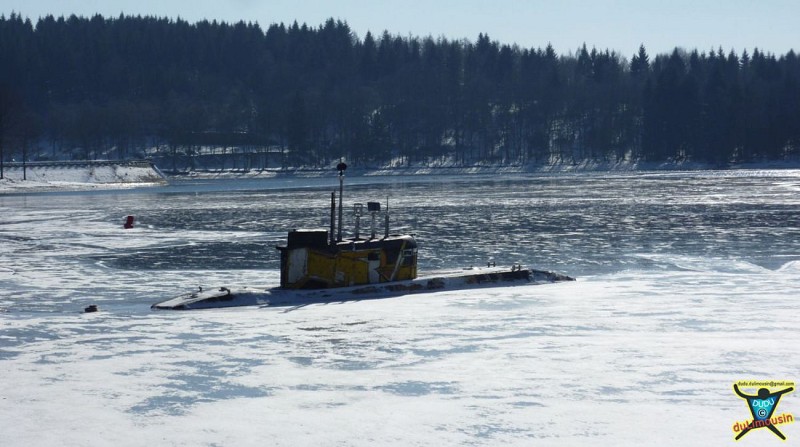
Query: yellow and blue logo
[(762, 406)]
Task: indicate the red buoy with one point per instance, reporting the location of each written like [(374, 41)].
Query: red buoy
[(129, 222)]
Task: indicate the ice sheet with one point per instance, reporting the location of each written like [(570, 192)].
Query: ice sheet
[(642, 350)]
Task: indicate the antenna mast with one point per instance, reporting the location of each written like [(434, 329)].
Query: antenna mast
[(341, 167)]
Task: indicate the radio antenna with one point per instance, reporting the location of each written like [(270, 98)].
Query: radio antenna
[(386, 222), (341, 167)]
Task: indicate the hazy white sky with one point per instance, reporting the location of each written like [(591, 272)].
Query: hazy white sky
[(621, 25)]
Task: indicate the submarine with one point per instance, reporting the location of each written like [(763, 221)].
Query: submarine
[(322, 266)]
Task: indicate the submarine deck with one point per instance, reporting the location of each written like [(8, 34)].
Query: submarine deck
[(469, 278)]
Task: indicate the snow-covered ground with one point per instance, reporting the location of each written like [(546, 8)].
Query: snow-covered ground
[(633, 360), (686, 284), (37, 178)]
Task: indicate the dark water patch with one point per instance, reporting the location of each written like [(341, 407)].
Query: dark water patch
[(196, 256), (417, 388), (527, 404), (202, 382), (302, 361), (354, 365), (439, 353), (490, 430), (26, 336)]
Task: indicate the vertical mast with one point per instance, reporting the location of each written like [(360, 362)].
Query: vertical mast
[(386, 220), (341, 167), (333, 219)]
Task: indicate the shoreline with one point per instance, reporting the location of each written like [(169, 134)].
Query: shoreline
[(80, 176), (66, 183), (448, 167), (10, 186)]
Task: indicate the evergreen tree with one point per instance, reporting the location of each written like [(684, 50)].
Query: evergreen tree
[(640, 63)]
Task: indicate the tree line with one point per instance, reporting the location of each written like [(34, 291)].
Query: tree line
[(117, 87)]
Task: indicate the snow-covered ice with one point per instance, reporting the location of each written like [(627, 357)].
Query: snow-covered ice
[(687, 282)]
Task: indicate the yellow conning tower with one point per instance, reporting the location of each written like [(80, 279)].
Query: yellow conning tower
[(319, 259), (309, 261)]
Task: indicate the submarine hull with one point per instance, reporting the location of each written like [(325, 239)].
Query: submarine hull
[(471, 278)]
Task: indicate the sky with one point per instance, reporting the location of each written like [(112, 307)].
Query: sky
[(616, 25)]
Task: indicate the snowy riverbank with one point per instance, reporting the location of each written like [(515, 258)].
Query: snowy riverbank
[(110, 175), (452, 167), (38, 177)]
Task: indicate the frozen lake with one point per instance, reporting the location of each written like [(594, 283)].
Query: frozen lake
[(687, 283)]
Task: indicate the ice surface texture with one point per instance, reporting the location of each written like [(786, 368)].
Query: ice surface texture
[(687, 282)]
